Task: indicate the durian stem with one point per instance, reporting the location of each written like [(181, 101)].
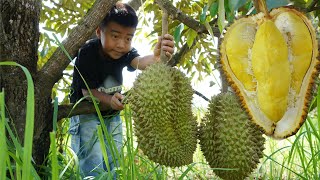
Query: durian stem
[(165, 18), (201, 95), (261, 6)]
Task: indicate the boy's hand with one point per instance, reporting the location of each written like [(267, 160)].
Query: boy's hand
[(116, 101), (167, 46)]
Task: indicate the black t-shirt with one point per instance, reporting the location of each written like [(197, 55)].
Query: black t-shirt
[(99, 71)]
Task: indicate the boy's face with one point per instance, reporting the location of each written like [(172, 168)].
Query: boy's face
[(115, 39)]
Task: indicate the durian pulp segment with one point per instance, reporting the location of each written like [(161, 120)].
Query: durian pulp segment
[(299, 42), (241, 38), (271, 69), (304, 52)]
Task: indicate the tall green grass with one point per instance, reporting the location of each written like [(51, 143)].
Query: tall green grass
[(26, 153), (297, 157), (108, 136), (3, 150)]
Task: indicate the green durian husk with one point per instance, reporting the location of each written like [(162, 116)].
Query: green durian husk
[(228, 139), (165, 127)]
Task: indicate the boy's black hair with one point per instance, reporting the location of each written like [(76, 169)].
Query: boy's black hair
[(122, 14)]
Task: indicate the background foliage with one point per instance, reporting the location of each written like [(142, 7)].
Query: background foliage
[(59, 16), (295, 157)]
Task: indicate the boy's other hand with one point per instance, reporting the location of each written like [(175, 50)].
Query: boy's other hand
[(116, 101), (167, 46)]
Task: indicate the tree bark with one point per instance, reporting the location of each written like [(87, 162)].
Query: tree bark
[(52, 70), (19, 30)]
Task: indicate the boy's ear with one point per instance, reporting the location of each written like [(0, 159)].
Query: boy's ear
[(98, 32)]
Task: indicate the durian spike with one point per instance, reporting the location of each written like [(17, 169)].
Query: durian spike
[(261, 6), (165, 59)]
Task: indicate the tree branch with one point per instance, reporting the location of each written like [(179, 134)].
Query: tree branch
[(183, 50), (85, 107), (314, 9), (201, 95), (136, 4), (261, 6), (189, 21), (52, 70)]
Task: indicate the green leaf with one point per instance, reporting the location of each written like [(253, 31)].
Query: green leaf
[(229, 13), (191, 34), (208, 27), (299, 3), (204, 14), (234, 5), (49, 29), (214, 9), (177, 33), (274, 4), (222, 18)]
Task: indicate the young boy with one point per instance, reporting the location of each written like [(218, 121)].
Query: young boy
[(100, 62)]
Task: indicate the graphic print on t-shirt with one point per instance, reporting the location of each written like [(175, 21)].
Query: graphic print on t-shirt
[(110, 85)]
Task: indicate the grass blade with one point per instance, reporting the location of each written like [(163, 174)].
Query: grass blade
[(131, 167), (104, 150), (318, 110), (18, 165), (3, 149), (190, 166), (55, 114), (19, 152), (54, 159), (113, 147), (28, 136)]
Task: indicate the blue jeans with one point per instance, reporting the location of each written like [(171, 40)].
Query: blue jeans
[(86, 145)]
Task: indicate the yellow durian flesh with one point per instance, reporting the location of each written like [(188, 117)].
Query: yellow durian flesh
[(299, 40), (239, 57), (282, 62), (271, 69)]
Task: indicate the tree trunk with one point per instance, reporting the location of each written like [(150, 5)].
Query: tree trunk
[(19, 32)]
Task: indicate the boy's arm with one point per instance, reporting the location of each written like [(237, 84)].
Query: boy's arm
[(111, 101), (142, 62), (167, 46)]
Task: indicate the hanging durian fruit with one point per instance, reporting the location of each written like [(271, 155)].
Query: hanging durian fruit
[(228, 139), (164, 124), (161, 100), (270, 59)]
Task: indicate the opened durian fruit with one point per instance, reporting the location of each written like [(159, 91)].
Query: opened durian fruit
[(163, 121), (270, 60), (229, 140)]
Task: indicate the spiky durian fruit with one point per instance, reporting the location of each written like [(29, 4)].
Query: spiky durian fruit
[(164, 124), (271, 62), (228, 139)]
